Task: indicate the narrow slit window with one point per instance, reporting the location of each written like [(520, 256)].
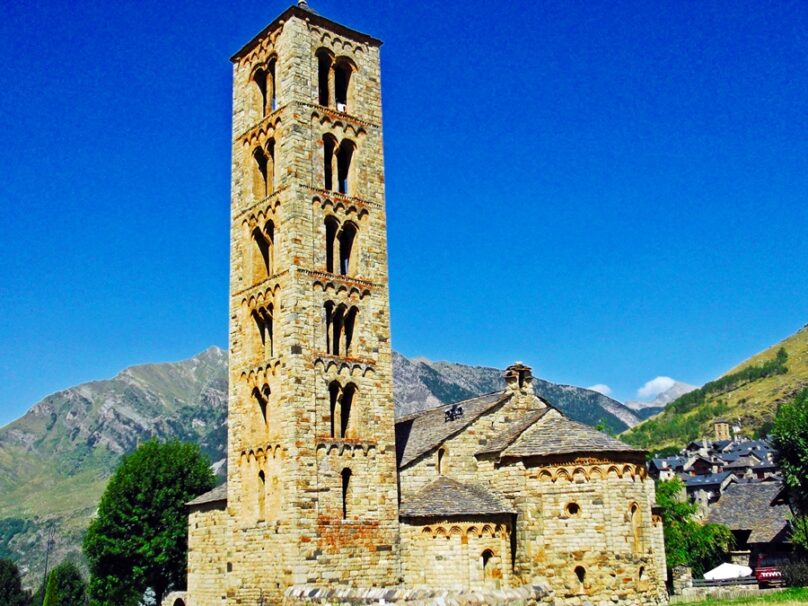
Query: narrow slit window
[(349, 323), (272, 95), (329, 159), (262, 495), (328, 312), (346, 492), (344, 157), (334, 392)]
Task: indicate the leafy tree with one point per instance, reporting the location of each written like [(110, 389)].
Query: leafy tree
[(789, 437), (65, 586), (11, 591), (688, 542), (138, 541)]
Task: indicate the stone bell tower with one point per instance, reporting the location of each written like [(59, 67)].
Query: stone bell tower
[(312, 490)]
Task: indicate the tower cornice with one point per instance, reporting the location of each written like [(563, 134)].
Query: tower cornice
[(308, 16)]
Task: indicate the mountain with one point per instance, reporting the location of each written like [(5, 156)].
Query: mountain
[(645, 409), (419, 384), (55, 461), (747, 395)]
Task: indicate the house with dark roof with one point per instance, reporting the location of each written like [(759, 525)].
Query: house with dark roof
[(759, 518)]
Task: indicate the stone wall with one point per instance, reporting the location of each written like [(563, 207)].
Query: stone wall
[(457, 554), (208, 536)]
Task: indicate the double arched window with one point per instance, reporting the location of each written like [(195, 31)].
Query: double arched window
[(337, 157), (264, 323), (263, 173), (263, 251), (342, 402), (340, 240), (334, 75), (264, 89), (340, 321)]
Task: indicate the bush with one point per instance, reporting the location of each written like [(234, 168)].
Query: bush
[(795, 573)]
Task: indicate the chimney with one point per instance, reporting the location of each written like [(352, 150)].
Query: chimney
[(519, 378)]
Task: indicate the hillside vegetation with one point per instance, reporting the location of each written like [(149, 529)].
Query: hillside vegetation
[(747, 395)]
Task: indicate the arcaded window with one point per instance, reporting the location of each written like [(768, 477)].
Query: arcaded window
[(342, 80), (347, 237), (346, 492), (260, 176), (331, 228), (263, 253), (340, 323), (323, 76), (344, 157), (261, 97), (271, 94), (346, 409), (261, 397), (329, 161), (263, 318)]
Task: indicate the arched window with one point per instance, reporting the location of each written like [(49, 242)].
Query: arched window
[(262, 495), (346, 406), (441, 466), (636, 528), (346, 492), (331, 228), (263, 253), (347, 237), (323, 77), (260, 80), (348, 328), (328, 313), (344, 156), (263, 318), (270, 169), (329, 161), (261, 397), (491, 565), (260, 168), (337, 322), (580, 573), (334, 395), (342, 80), (271, 93)]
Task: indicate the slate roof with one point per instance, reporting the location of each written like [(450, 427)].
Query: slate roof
[(744, 461), (749, 507), (505, 438), (709, 479), (557, 434), (217, 494), (447, 497), (419, 433)]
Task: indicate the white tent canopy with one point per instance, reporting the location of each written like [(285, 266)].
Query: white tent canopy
[(727, 571)]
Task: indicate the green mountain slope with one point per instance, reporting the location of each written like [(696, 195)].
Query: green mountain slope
[(747, 395)]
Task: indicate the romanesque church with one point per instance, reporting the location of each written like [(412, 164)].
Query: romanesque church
[(325, 487)]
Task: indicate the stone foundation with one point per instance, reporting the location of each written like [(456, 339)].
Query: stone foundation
[(300, 595)]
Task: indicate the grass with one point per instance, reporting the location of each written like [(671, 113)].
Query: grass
[(792, 596)]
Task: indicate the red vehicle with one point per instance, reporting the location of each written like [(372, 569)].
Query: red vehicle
[(768, 570)]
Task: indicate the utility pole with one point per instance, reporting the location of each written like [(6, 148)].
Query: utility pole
[(48, 546)]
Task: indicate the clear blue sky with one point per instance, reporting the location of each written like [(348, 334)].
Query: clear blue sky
[(607, 191)]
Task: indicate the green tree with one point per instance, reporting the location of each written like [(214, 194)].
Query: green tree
[(688, 542), (138, 541), (11, 591), (65, 586), (789, 437)]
